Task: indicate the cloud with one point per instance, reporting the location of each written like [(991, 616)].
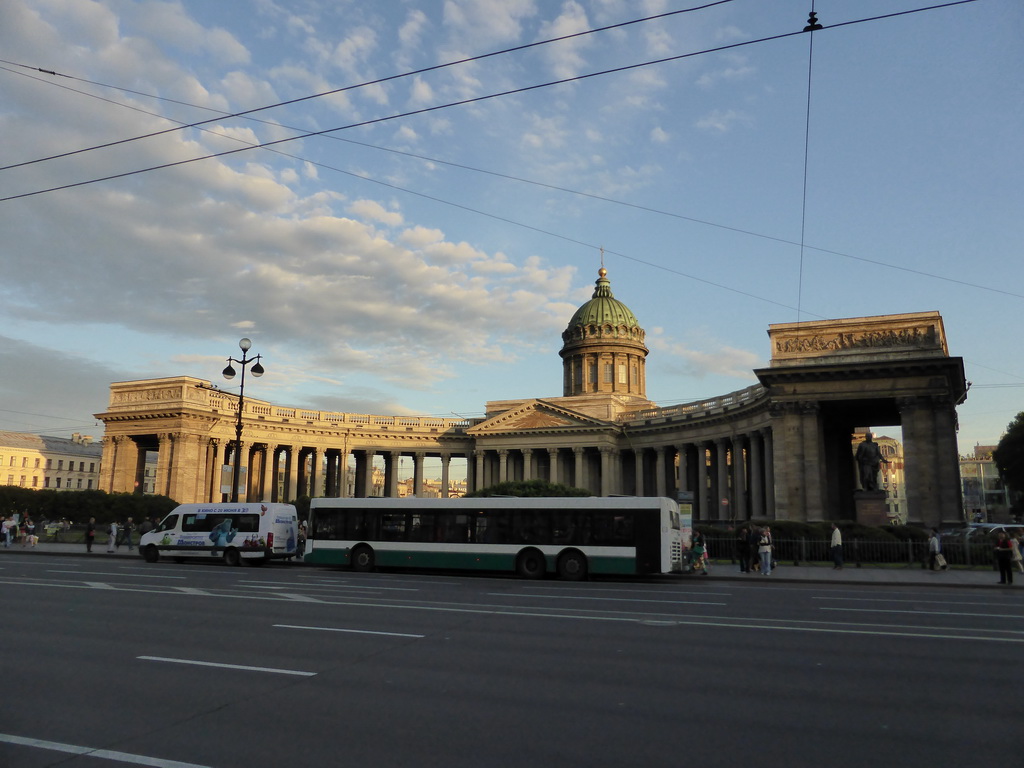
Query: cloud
[(722, 121)]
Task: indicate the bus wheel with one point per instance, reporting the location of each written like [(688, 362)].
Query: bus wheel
[(530, 564), (362, 559), (231, 557), (572, 566), (151, 554)]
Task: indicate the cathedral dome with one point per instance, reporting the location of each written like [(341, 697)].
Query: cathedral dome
[(603, 309), (603, 347)]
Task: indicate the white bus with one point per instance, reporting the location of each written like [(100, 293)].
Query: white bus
[(571, 537)]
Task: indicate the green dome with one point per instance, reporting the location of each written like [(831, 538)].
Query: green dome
[(603, 308)]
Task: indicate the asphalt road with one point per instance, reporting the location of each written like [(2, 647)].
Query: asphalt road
[(113, 661)]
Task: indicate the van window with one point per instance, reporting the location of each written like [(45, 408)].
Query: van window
[(202, 522), (169, 523)]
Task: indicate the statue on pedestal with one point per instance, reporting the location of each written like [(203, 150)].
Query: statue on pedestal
[(869, 459)]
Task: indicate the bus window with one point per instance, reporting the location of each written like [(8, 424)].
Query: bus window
[(491, 528), (392, 526), (328, 525), (169, 523), (422, 527)]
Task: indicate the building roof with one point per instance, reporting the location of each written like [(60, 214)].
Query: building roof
[(77, 445)]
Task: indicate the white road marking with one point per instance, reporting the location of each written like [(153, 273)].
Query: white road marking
[(605, 599), (927, 613), (107, 573), (99, 585), (352, 631), (242, 667), (104, 754)]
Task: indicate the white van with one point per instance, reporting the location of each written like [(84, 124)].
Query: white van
[(257, 532)]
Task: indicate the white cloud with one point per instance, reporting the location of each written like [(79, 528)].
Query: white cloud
[(374, 211), (722, 121)]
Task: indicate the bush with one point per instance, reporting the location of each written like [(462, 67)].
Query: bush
[(79, 506)]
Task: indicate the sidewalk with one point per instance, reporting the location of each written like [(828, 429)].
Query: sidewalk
[(724, 571)]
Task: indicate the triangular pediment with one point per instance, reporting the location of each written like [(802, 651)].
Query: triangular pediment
[(534, 416)]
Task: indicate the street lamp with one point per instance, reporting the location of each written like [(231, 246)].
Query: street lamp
[(229, 373)]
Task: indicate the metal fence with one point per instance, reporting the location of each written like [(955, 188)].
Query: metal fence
[(857, 553)]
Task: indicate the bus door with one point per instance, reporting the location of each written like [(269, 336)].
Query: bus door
[(647, 535)]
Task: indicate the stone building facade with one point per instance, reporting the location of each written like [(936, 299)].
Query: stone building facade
[(777, 450)]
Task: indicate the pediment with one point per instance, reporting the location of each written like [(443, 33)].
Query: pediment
[(534, 416)]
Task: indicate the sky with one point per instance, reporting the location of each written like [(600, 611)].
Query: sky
[(424, 221)]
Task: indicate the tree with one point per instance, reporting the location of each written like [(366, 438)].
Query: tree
[(1009, 454), (530, 488)]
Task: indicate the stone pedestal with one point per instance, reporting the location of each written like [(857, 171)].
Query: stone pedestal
[(871, 507)]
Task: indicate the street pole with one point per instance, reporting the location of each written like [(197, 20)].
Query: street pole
[(229, 373)]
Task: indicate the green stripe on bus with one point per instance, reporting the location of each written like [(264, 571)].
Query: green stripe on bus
[(621, 566)]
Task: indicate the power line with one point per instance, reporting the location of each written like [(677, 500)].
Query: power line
[(344, 89), (461, 102)]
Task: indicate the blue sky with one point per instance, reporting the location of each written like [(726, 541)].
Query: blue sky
[(427, 264)]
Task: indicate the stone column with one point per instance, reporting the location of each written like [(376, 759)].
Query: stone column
[(163, 464), (739, 479), (291, 490), (527, 464), (769, 473), (682, 469), (502, 465), (446, 461), (815, 466), (722, 502), (703, 508), (478, 477), (392, 459), (184, 467), (417, 474), (553, 475), (608, 455), (660, 486), (756, 477), (950, 504), (580, 480), (920, 461), (269, 482), (368, 455)]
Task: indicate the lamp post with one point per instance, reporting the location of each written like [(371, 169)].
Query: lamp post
[(229, 373)]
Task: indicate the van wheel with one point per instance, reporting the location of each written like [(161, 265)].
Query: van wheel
[(362, 559), (572, 566), (530, 564), (231, 557), (150, 553)]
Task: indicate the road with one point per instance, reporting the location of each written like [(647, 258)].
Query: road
[(113, 661)]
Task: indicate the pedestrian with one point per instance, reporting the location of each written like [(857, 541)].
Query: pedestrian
[(753, 538), (30, 539), (1016, 558), (935, 558), (90, 533), (743, 549), (301, 545), (764, 550), (836, 547), (1004, 558), (126, 533), (6, 531), (112, 538), (699, 553)]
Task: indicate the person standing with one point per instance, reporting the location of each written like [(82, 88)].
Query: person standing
[(5, 531), (764, 551), (743, 550), (126, 533), (112, 540), (753, 538), (1004, 558), (699, 553), (90, 533), (1016, 557), (836, 547), (934, 551)]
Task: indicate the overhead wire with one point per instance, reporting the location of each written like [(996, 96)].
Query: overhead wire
[(335, 91), (460, 102)]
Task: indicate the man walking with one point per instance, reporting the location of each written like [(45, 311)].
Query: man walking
[(837, 548), (126, 532)]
